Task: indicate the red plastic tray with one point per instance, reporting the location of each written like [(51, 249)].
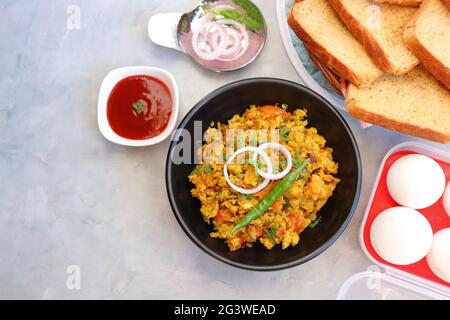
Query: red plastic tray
[(382, 200)]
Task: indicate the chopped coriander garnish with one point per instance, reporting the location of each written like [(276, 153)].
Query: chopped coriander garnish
[(284, 106), (315, 223), (137, 106), (202, 169), (195, 171), (271, 233), (245, 196), (185, 24), (207, 169), (212, 124), (284, 134)]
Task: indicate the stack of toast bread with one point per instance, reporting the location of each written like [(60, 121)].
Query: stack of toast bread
[(394, 54)]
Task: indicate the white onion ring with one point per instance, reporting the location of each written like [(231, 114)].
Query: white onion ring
[(255, 151), (236, 45), (244, 42), (232, 50), (212, 54), (284, 151)]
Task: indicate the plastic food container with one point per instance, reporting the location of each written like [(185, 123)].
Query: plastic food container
[(388, 281)]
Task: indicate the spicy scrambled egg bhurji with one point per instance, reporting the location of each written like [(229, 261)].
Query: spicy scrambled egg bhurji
[(294, 211)]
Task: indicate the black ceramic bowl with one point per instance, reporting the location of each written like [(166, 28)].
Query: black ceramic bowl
[(234, 98)]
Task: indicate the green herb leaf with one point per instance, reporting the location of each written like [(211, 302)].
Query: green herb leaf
[(315, 223), (195, 171), (271, 233), (235, 15), (245, 196), (185, 24), (284, 106), (137, 106), (252, 12), (212, 124), (207, 169), (284, 134)]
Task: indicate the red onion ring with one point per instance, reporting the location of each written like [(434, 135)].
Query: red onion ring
[(236, 45), (203, 31), (232, 49), (243, 43)]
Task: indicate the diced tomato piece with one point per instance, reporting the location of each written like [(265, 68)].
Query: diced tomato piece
[(273, 111), (277, 205), (224, 216), (295, 222), (258, 231)]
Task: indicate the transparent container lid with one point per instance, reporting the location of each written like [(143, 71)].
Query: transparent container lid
[(382, 286)]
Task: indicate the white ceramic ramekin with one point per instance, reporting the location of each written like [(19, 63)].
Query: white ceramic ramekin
[(108, 84)]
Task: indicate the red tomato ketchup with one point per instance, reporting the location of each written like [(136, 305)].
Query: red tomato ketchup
[(139, 107)]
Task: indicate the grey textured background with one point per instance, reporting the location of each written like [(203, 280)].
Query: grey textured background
[(69, 197)]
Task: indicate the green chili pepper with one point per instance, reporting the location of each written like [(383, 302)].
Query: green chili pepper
[(271, 197)]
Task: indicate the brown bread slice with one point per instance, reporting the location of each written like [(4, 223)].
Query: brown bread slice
[(414, 103), (428, 37), (406, 3), (316, 24), (379, 28)]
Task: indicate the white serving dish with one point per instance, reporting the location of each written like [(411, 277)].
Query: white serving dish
[(108, 84), (383, 281)]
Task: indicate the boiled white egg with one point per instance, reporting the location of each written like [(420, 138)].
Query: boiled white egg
[(401, 235), (416, 181), (439, 256), (446, 199)]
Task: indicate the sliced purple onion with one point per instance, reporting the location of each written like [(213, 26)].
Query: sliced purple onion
[(233, 46), (243, 43), (200, 42)]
